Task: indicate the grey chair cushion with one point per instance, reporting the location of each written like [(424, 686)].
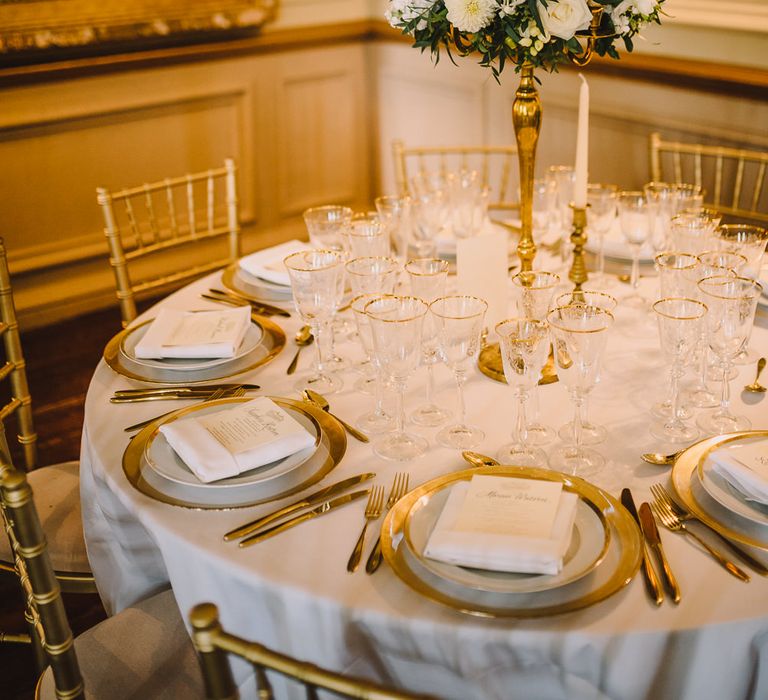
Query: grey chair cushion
[(142, 653), (56, 490)]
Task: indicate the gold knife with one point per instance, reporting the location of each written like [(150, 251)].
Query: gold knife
[(310, 500), (182, 388), (652, 584), (651, 533), (322, 509), (261, 305)]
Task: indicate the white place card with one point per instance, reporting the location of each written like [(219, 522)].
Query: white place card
[(481, 270), (206, 327), (754, 456)]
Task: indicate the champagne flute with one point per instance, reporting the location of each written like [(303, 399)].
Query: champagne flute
[(459, 321), (523, 343), (396, 324), (580, 335), (635, 218), (601, 212)]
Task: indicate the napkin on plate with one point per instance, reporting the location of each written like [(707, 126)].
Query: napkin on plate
[(268, 263), (229, 442), (194, 334), (501, 552), (745, 467)]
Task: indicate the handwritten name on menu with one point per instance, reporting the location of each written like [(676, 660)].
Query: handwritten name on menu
[(508, 506), (753, 455), (204, 328)]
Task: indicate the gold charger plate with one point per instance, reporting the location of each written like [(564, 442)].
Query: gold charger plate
[(265, 291), (272, 342), (686, 467), (620, 564), (332, 436)]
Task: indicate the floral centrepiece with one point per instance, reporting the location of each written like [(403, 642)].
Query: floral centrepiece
[(540, 32)]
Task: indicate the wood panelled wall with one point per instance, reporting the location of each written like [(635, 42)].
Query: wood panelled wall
[(309, 115)]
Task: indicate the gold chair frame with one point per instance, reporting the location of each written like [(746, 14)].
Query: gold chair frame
[(180, 226), (213, 644), (501, 195), (743, 161)]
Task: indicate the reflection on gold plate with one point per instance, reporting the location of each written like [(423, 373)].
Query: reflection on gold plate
[(684, 470), (615, 570), (272, 342), (332, 437)]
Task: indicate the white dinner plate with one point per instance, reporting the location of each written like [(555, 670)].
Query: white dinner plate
[(251, 287), (589, 543)]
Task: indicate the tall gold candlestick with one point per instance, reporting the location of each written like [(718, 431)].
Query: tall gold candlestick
[(578, 272)]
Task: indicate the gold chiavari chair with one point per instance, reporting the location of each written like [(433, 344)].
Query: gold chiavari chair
[(145, 224), (495, 165), (733, 179), (143, 652), (213, 644)]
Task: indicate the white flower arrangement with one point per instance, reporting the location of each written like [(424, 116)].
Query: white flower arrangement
[(541, 32)]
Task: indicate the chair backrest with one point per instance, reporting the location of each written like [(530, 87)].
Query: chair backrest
[(154, 219), (45, 610), (14, 368), (213, 644), (495, 165), (733, 179)]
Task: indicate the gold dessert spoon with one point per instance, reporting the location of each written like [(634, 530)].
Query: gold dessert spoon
[(755, 386)]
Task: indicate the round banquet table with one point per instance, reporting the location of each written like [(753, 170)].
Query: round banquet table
[(292, 592)]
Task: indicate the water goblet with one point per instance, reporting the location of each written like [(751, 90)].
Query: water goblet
[(314, 276), (731, 302), (372, 275), (367, 237), (680, 320), (523, 343), (692, 233), (428, 277), (714, 216), (676, 274), (459, 321), (635, 219), (396, 324), (395, 215), (326, 225), (580, 335), (601, 213)]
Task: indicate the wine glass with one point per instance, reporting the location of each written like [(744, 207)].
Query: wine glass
[(676, 274), (430, 207), (544, 191), (688, 196), (635, 218), (459, 321), (372, 275), (396, 323), (580, 335), (692, 233), (601, 212), (468, 203), (326, 226), (428, 277), (315, 284), (680, 321), (731, 302), (591, 434), (662, 201), (377, 420), (523, 343), (564, 178), (367, 237), (395, 215)]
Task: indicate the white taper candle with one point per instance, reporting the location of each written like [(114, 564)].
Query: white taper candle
[(582, 147)]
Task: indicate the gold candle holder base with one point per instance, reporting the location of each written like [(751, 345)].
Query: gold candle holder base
[(578, 272)]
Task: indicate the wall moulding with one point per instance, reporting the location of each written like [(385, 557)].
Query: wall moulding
[(744, 16)]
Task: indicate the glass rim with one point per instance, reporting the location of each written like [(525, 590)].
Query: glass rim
[(536, 272), (754, 283), (696, 302), (600, 311), (443, 264), (458, 296), (399, 298), (335, 253), (327, 208), (720, 252), (759, 231), (517, 319), (370, 257), (589, 291), (675, 252), (373, 297)]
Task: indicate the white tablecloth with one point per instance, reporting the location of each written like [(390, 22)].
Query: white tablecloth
[(292, 592)]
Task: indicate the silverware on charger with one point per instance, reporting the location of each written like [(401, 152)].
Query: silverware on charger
[(322, 509), (665, 500), (319, 400), (652, 583), (261, 307), (653, 538), (398, 490), (372, 512), (181, 388), (310, 500)]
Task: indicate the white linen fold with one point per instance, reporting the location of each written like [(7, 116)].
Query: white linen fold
[(210, 460), (496, 552), (751, 482), (268, 263)]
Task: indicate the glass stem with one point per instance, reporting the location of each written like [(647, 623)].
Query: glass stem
[(635, 275), (578, 404), (703, 369), (379, 392), (324, 342), (430, 379), (461, 377), (674, 377), (725, 396), (400, 410), (601, 257), (520, 431)]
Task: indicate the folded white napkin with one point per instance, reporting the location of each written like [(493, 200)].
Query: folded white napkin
[(266, 431), (194, 334), (496, 552), (745, 467), (268, 263)]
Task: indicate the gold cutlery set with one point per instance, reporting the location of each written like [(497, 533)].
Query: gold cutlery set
[(230, 299)]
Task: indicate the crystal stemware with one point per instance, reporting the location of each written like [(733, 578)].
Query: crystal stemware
[(459, 321), (564, 178), (580, 336), (371, 275), (679, 321), (315, 284), (367, 237), (396, 324), (601, 213), (676, 274), (544, 191), (430, 209), (428, 277), (731, 302), (523, 343), (395, 216), (662, 202), (326, 225), (692, 233), (635, 219)]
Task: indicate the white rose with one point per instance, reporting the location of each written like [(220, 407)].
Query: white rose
[(565, 17), (643, 7)]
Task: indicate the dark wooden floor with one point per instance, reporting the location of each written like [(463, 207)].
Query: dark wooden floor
[(60, 362)]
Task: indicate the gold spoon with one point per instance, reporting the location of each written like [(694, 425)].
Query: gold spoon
[(303, 337), (478, 460), (755, 386), (322, 402), (661, 460)]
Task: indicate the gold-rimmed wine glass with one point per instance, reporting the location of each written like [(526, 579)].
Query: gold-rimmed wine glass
[(395, 214), (372, 275), (601, 214), (326, 225), (636, 226)]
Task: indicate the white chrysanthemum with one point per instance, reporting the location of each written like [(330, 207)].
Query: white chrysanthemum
[(470, 15), (507, 7), (400, 12)]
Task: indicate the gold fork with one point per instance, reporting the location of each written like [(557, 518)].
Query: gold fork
[(673, 523), (372, 512), (662, 495), (398, 490)]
